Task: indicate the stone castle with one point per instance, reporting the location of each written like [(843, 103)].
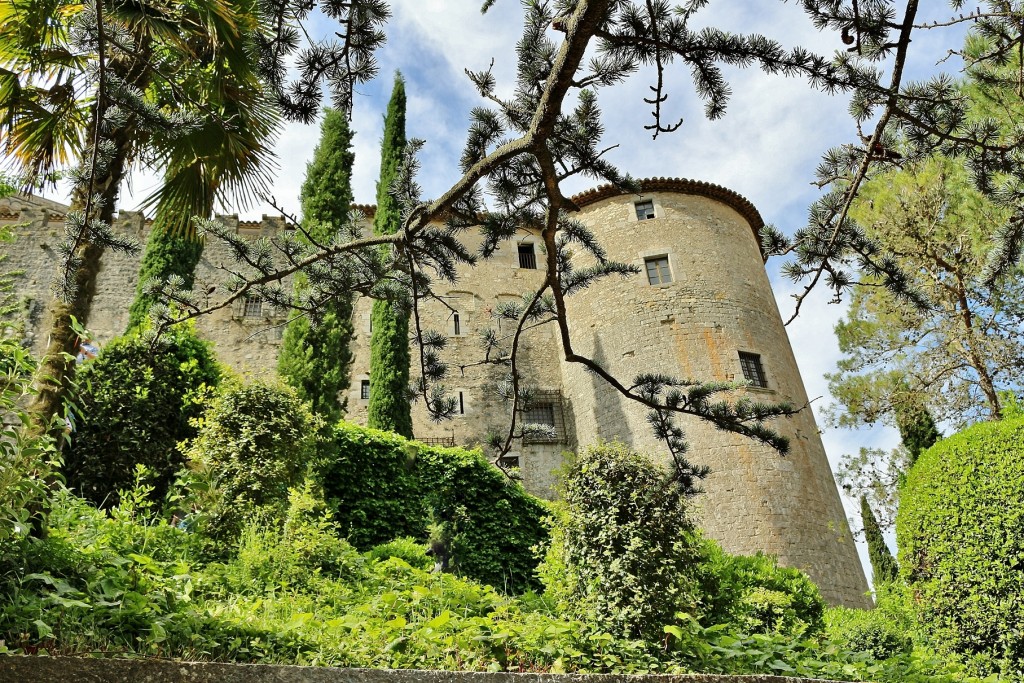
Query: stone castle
[(701, 307)]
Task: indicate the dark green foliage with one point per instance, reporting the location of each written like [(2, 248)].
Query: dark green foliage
[(315, 360), (167, 253), (918, 431), (755, 595), (389, 408), (255, 441), (883, 565), (960, 532), (384, 487), (135, 402), (870, 631), (624, 551)]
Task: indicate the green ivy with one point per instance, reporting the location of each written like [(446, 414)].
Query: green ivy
[(384, 487)]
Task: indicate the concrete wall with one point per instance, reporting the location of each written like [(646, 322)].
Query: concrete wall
[(60, 669)]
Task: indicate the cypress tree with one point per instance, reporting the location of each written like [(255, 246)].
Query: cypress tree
[(389, 408), (316, 360), (883, 564), (168, 252), (917, 430)]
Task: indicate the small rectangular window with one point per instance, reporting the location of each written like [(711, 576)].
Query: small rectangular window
[(508, 462), (456, 324), (753, 371), (644, 210), (657, 270), (364, 390), (527, 257), (253, 307)]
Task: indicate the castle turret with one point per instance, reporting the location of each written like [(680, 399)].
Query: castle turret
[(702, 308)]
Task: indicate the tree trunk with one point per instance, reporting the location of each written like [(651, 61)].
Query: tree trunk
[(56, 369)]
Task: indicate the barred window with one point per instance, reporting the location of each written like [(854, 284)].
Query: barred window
[(253, 307), (644, 210), (657, 270), (527, 257), (753, 371), (545, 410), (364, 390)]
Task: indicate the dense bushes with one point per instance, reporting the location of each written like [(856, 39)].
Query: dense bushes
[(135, 403), (624, 550), (254, 442), (384, 487), (960, 531), (870, 631), (758, 596)]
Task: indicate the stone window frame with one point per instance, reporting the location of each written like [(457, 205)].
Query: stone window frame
[(533, 240), (759, 360), (511, 460), (659, 211), (649, 254), (359, 382), (547, 398)]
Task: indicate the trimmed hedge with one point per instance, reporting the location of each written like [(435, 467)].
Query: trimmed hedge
[(383, 487), (960, 532)]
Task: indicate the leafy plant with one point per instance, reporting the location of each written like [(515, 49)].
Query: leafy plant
[(625, 553), (960, 532), (254, 442), (134, 404), (384, 487)]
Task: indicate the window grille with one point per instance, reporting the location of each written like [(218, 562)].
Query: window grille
[(657, 270), (545, 409), (253, 307), (644, 210), (527, 257), (753, 371), (364, 390)]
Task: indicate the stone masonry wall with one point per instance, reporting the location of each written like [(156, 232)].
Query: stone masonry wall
[(718, 303)]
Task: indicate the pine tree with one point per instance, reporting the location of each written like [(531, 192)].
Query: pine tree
[(917, 431), (315, 360), (389, 407), (883, 564)]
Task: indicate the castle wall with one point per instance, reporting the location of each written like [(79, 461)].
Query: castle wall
[(718, 304)]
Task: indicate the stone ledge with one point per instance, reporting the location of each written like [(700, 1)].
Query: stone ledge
[(82, 670)]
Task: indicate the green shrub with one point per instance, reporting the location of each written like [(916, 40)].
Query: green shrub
[(26, 461), (307, 545), (960, 532), (384, 487), (254, 442), (407, 549), (870, 631), (756, 595), (625, 552), (135, 403)]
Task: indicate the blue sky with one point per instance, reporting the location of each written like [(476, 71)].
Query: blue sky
[(766, 147)]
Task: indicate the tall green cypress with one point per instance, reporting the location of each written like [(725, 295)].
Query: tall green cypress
[(389, 407), (316, 360), (883, 564), (917, 430), (168, 252)]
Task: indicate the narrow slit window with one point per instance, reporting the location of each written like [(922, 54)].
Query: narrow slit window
[(753, 371), (456, 324), (644, 210), (364, 390), (657, 270), (462, 404), (527, 257)]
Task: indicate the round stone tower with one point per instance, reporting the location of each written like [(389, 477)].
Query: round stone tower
[(702, 308)]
